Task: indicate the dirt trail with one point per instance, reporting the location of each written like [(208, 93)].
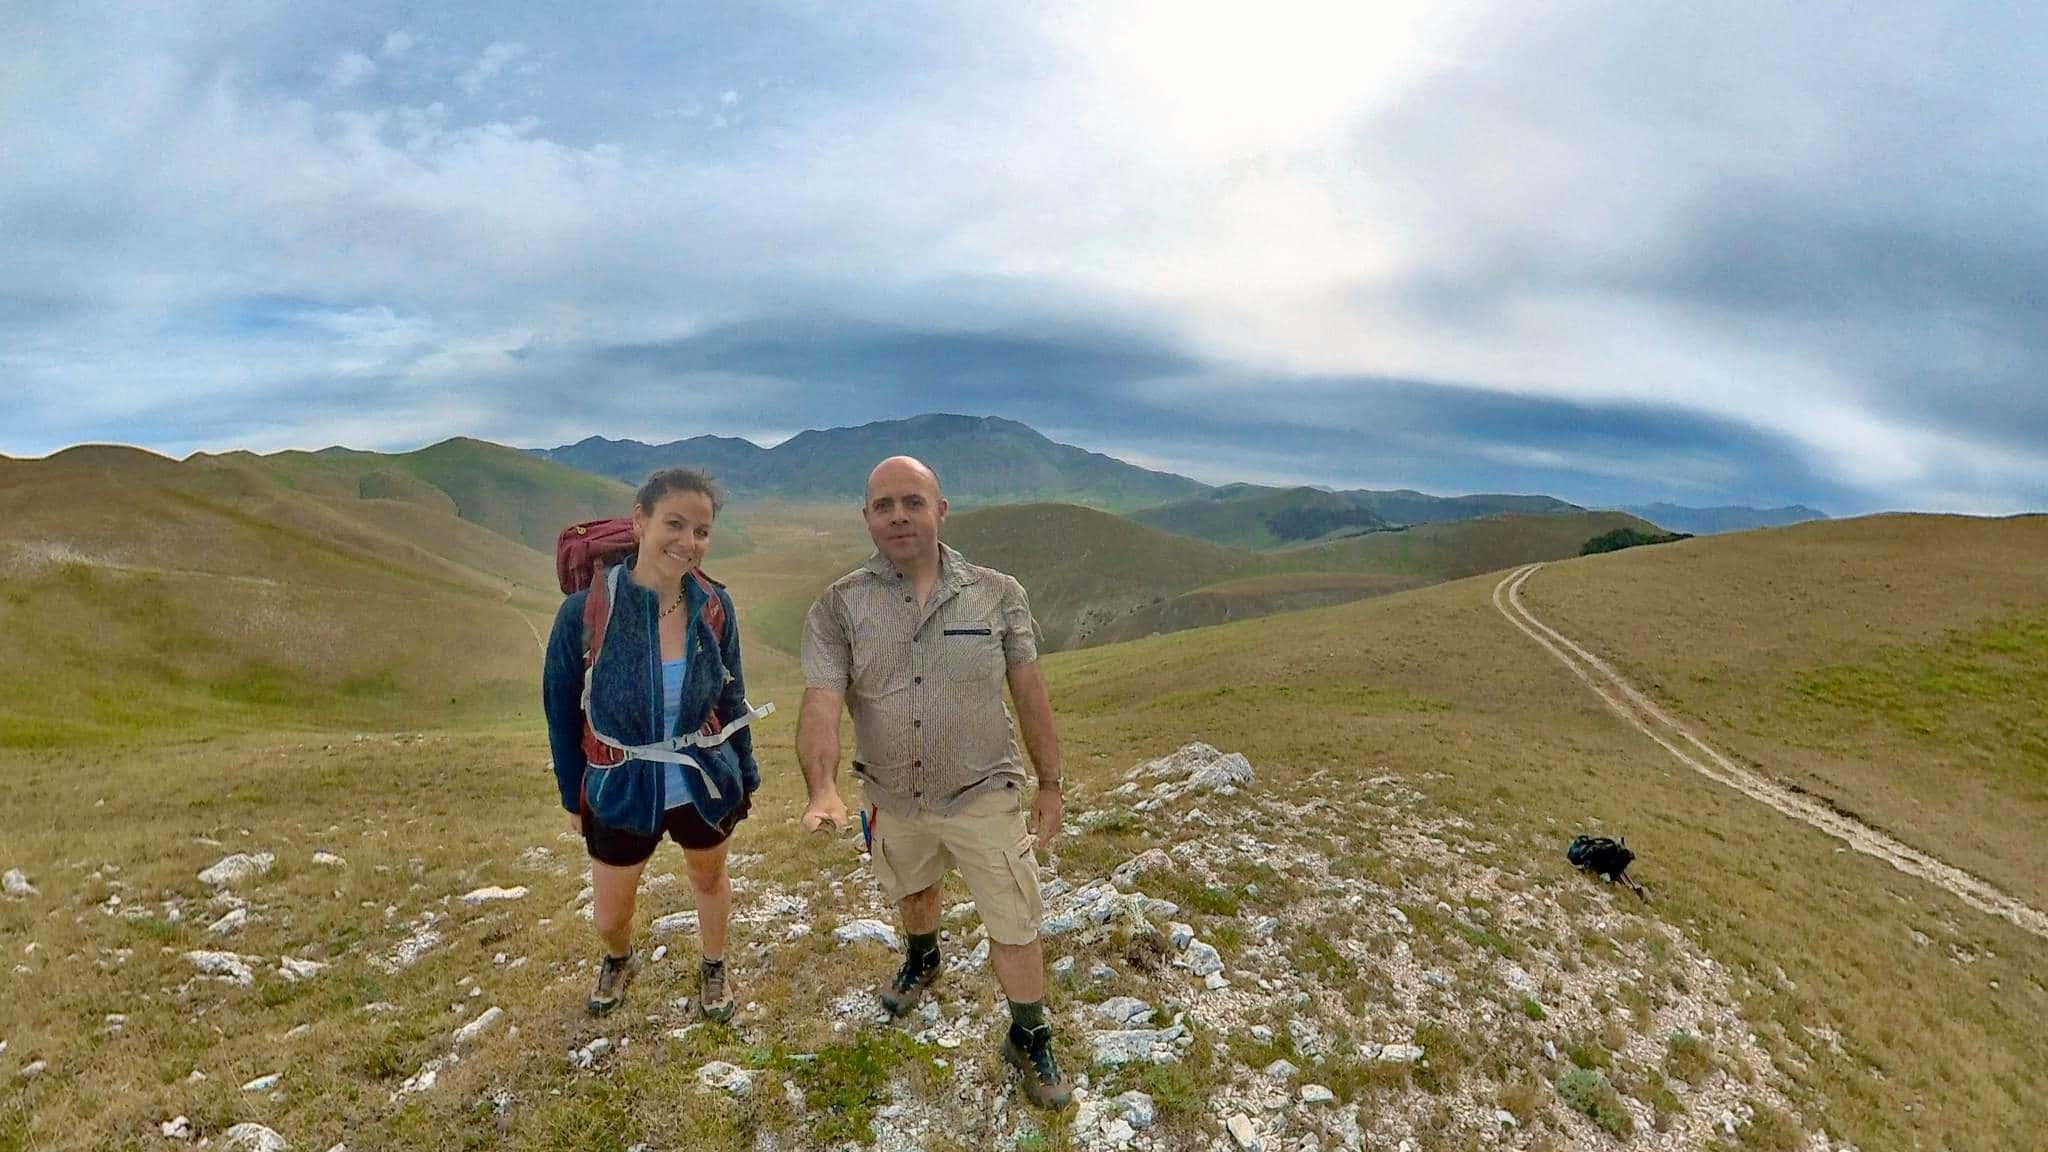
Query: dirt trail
[(1652, 721)]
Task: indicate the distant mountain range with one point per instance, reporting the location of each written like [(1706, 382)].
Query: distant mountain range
[(1727, 518), (979, 459), (1252, 516)]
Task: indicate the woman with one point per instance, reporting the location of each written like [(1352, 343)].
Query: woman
[(665, 745)]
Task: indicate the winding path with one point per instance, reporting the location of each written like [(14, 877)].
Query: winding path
[(1646, 717)]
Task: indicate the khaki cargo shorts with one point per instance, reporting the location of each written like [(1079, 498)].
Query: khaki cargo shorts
[(987, 842)]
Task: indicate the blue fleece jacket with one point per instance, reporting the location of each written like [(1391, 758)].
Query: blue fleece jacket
[(626, 704)]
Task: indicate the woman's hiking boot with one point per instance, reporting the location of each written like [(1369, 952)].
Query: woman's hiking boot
[(612, 977), (713, 997), (902, 994), (1031, 1054)]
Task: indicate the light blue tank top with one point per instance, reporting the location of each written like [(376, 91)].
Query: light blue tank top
[(671, 709)]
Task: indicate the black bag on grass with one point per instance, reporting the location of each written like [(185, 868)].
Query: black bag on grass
[(1607, 857)]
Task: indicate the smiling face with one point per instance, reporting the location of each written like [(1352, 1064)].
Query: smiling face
[(904, 511), (674, 535)]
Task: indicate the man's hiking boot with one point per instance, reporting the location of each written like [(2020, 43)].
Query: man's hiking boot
[(907, 990), (612, 977), (713, 997), (1043, 1082)]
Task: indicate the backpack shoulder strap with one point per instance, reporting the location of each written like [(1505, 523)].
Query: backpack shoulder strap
[(714, 605), (597, 613)]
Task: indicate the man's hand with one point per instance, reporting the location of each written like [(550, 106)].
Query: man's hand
[(825, 808), (576, 823), (1045, 815)]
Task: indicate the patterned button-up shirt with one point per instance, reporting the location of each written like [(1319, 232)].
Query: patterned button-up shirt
[(924, 682)]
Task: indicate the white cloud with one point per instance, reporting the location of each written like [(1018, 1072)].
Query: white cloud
[(488, 66), (1284, 195), (348, 70)]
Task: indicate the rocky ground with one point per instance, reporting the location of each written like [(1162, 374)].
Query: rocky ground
[(1345, 966)]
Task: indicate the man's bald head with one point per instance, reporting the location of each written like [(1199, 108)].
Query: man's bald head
[(903, 509), (897, 471)]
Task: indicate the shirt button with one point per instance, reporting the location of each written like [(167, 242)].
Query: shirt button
[(917, 723), (917, 679), (917, 763), (906, 599)]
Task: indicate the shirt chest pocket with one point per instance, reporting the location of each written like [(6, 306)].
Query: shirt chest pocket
[(971, 648)]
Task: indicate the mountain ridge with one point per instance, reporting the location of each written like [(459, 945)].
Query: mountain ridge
[(979, 459)]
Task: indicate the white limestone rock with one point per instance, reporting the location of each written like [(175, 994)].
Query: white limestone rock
[(236, 868), (1124, 1011), (478, 1026), (723, 1077), (1137, 1108), (871, 930), (1136, 1045), (1201, 959), (253, 1138), (492, 895), (222, 966), (675, 923)]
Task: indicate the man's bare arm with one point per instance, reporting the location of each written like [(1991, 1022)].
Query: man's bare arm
[(1042, 743), (817, 750)]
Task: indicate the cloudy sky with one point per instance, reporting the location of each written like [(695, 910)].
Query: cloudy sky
[(1704, 253)]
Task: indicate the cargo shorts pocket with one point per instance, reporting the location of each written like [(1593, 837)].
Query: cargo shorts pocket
[(1013, 915)]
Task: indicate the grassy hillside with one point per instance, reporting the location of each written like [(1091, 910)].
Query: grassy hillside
[(1414, 754), (1906, 692), (1434, 552), (1084, 568), (1248, 516), (147, 597), (1094, 578), (1247, 599), (1727, 518), (503, 489), (1253, 516)]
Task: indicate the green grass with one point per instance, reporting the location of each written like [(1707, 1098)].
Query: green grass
[(1953, 694), (1588, 1092)]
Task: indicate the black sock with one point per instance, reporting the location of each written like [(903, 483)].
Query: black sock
[(1027, 1021), (924, 949)]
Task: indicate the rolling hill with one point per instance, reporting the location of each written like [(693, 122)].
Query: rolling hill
[(1254, 516), (979, 459), (1083, 568), (1726, 518), (149, 597), (502, 489), (1094, 578)]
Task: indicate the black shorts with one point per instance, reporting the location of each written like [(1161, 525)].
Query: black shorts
[(684, 825)]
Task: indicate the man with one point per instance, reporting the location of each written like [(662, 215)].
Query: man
[(917, 644)]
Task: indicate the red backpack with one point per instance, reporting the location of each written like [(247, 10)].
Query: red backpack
[(582, 553)]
